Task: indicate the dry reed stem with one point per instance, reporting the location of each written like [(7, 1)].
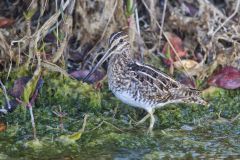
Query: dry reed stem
[(67, 29)]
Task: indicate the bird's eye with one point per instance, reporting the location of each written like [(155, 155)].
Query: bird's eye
[(121, 41)]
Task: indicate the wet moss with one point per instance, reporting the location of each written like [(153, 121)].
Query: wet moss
[(118, 135)]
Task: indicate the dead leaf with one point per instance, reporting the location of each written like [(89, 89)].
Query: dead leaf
[(18, 89), (31, 86), (187, 64), (3, 127), (184, 79), (6, 22), (227, 78), (18, 86), (169, 52), (81, 74)]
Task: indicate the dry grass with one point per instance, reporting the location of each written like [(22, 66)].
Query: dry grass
[(58, 31)]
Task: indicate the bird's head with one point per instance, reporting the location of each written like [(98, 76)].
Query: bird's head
[(117, 43)]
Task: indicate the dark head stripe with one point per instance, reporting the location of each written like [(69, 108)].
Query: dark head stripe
[(115, 36)]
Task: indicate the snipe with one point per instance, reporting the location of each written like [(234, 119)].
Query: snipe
[(141, 85)]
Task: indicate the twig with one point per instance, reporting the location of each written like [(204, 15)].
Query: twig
[(112, 126), (57, 23), (55, 68), (230, 17), (32, 120), (29, 105), (235, 118), (137, 21), (100, 124), (84, 123), (162, 22), (5, 95), (60, 114)]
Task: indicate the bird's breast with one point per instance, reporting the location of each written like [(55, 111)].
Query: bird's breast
[(127, 98)]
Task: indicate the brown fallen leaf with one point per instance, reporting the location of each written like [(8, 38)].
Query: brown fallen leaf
[(18, 87), (81, 74), (6, 22), (190, 66), (17, 92), (186, 63), (3, 126)]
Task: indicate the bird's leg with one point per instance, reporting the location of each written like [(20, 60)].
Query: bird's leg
[(152, 121), (143, 120)]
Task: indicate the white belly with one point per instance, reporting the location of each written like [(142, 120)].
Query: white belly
[(127, 98)]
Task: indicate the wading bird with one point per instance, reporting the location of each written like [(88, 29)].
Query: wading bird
[(141, 85)]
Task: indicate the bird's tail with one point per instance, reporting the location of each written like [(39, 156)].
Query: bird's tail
[(196, 100), (190, 95)]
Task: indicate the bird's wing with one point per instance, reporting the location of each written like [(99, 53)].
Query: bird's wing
[(158, 84), (153, 76), (151, 83)]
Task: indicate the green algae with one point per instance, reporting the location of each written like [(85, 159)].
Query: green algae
[(109, 132)]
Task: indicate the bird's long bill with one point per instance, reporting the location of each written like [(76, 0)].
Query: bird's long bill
[(105, 57)]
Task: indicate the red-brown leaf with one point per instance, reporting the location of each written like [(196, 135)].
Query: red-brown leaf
[(227, 77), (6, 22), (178, 46)]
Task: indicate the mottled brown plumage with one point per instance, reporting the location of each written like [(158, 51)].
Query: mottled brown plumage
[(141, 85)]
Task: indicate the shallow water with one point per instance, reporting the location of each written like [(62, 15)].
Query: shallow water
[(217, 140)]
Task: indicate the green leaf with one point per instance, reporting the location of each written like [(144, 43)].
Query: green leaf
[(75, 136), (70, 139), (130, 8), (28, 15), (168, 54)]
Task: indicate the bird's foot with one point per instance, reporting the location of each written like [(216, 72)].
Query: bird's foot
[(150, 132), (142, 120)]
